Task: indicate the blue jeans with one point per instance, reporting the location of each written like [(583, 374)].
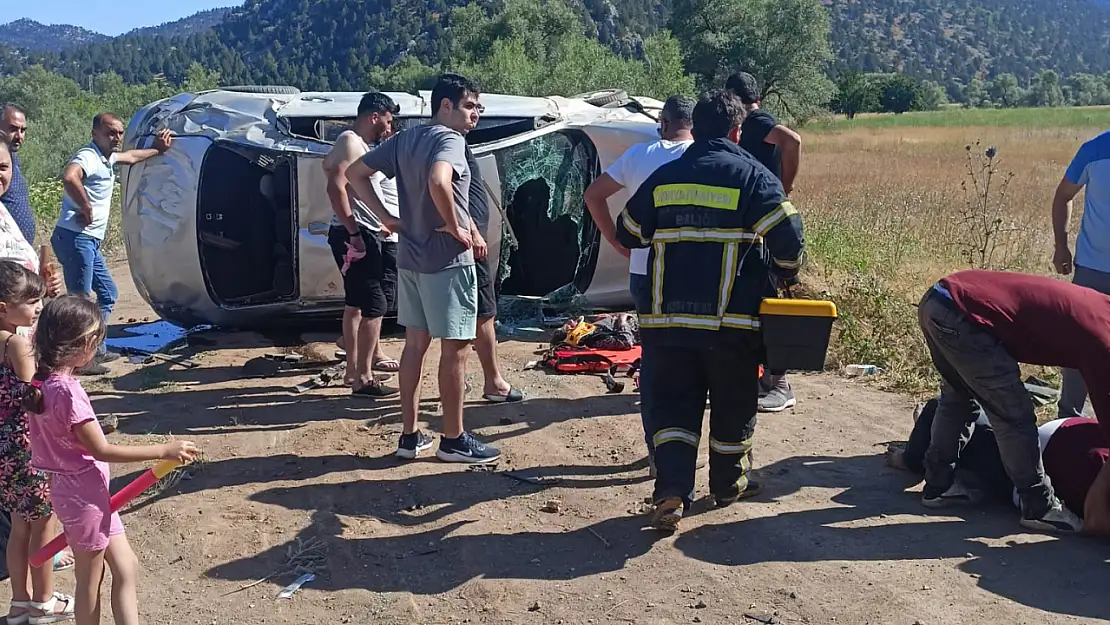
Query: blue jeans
[(640, 287), (84, 268)]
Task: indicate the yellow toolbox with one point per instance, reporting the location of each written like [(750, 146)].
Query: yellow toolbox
[(796, 333)]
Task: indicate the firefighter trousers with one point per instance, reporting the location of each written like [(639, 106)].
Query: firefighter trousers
[(679, 378)]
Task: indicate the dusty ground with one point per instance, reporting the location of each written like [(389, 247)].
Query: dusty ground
[(309, 480)]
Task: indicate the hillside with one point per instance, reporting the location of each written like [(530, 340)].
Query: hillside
[(334, 44), (31, 35), (195, 23)]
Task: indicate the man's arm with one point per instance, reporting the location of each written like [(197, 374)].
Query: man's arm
[(771, 215), (636, 223), (335, 168), (1061, 219), (380, 159), (161, 143), (790, 147), (73, 181), (597, 202), (448, 161)]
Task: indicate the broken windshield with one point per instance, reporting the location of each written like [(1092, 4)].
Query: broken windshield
[(545, 236)]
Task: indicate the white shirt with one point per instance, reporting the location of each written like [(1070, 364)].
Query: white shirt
[(100, 182), (632, 169)]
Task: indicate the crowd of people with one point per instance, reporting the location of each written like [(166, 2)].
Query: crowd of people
[(709, 230)]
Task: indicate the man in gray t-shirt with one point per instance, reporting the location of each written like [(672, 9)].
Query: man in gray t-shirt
[(437, 289)]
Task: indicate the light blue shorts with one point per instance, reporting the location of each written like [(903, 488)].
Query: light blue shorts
[(443, 304)]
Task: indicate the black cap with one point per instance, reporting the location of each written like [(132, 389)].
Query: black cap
[(745, 86)]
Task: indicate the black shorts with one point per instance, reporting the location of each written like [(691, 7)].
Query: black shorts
[(487, 294), (371, 282)]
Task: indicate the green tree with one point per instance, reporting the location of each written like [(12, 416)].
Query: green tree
[(898, 93), (783, 43), (856, 93), (1005, 91), (930, 97), (977, 95), (1046, 90), (540, 48), (1087, 90)]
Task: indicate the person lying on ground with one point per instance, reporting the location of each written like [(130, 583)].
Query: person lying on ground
[(1073, 450), (979, 325)]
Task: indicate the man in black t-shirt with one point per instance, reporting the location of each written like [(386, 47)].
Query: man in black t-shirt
[(779, 149), (495, 388)]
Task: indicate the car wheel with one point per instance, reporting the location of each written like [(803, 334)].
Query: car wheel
[(604, 97), (268, 89)]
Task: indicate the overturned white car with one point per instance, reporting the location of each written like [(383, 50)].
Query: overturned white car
[(229, 227)]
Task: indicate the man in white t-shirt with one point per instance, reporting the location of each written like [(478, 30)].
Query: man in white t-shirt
[(370, 272), (89, 181), (628, 172)]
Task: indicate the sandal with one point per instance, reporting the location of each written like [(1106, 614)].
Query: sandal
[(58, 566), (514, 395), (50, 615), (387, 364)]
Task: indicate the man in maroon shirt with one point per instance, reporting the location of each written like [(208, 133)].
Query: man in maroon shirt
[(979, 325)]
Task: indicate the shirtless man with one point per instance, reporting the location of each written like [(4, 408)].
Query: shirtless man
[(370, 282)]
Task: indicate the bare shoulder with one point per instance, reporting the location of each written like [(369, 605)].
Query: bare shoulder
[(13, 344), (347, 148)]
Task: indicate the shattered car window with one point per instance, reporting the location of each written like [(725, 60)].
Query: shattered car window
[(544, 235)]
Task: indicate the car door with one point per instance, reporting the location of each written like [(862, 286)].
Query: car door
[(320, 280)]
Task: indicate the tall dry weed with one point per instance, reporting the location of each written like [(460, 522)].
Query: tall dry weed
[(889, 211)]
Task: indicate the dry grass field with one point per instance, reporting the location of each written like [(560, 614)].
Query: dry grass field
[(891, 204)]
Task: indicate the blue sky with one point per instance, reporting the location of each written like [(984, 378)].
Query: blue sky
[(99, 15)]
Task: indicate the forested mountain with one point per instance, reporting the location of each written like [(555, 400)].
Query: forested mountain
[(31, 35), (195, 23), (334, 44)]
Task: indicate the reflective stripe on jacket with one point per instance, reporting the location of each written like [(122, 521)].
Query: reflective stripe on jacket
[(716, 222)]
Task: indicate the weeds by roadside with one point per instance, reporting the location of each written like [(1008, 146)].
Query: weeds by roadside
[(890, 211)]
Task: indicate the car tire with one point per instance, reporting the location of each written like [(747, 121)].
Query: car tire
[(267, 89), (604, 97)]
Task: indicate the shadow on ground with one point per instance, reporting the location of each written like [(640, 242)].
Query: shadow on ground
[(1065, 575)]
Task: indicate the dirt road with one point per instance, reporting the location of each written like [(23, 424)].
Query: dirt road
[(307, 482)]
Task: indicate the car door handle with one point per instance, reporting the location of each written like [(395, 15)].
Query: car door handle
[(318, 229)]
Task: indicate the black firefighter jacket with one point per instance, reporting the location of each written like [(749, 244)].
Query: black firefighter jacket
[(720, 231)]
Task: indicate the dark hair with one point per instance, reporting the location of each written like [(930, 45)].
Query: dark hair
[(679, 109), (377, 102), (716, 114), (18, 284), (8, 107), (452, 87), (103, 118), (67, 328), (745, 87)]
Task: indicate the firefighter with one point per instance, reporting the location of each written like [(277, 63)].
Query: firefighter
[(721, 236)]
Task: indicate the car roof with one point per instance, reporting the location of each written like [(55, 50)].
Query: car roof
[(344, 103)]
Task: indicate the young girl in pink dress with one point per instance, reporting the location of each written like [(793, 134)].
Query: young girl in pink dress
[(68, 445)]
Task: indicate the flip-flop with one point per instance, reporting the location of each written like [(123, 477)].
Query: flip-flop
[(58, 566), (388, 365), (514, 395)]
